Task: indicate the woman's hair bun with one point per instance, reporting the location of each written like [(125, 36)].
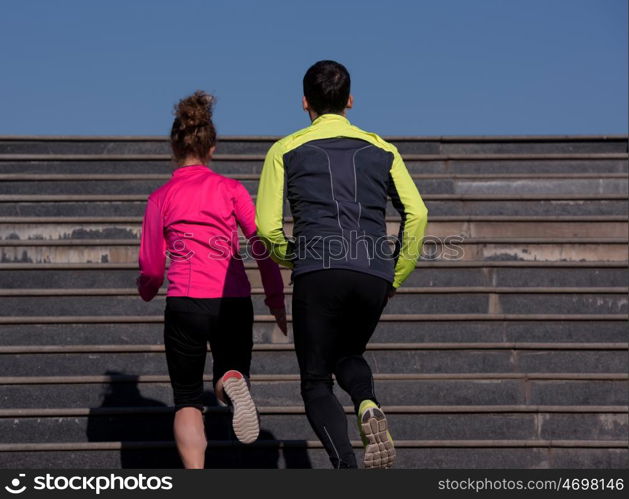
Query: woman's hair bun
[(193, 133), (195, 110)]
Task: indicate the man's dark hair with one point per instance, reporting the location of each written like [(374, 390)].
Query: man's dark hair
[(326, 87)]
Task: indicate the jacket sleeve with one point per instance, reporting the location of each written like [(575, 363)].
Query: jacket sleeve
[(270, 207), (152, 256), (409, 204), (269, 271)]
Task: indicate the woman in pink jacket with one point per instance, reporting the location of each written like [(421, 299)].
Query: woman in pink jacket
[(193, 219)]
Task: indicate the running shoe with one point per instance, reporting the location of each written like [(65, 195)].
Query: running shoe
[(245, 420), (373, 427)]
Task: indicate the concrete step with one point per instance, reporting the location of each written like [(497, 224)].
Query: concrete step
[(259, 145), (134, 184), (282, 347), (443, 249), (408, 318), (595, 328), (141, 198), (20, 228), (464, 457), (529, 323), (275, 390), (528, 164), (428, 273), (451, 205), (154, 423), (42, 185), (163, 177), (587, 357), (410, 300), (445, 167)]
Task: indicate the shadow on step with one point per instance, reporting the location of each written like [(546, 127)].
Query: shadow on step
[(144, 426)]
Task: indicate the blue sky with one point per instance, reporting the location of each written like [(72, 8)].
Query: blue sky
[(446, 67)]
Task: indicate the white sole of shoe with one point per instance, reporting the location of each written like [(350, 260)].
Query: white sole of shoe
[(379, 452), (245, 420)]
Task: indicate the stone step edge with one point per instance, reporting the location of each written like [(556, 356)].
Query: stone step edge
[(151, 319), (265, 138), (311, 444), (260, 157), (293, 410), (47, 292), (164, 379), (454, 238), (289, 347), (420, 265), (141, 198), (437, 218), (125, 177)]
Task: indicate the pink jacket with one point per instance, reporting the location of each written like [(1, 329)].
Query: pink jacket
[(193, 219)]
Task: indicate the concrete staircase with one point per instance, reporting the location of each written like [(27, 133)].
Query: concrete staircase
[(508, 352)]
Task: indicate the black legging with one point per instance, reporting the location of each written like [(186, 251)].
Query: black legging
[(189, 324), (335, 312)]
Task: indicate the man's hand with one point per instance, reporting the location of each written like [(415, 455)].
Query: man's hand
[(392, 292), (280, 319)]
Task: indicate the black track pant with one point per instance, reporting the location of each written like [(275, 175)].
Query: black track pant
[(189, 324), (335, 313)]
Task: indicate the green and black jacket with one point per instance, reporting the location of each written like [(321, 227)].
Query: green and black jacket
[(337, 179)]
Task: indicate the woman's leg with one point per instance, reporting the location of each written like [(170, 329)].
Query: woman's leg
[(186, 348), (219, 390), (190, 437), (231, 343)]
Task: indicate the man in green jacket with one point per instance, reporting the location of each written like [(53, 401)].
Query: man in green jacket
[(337, 179)]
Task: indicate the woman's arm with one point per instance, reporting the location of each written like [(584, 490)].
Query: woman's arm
[(152, 256)]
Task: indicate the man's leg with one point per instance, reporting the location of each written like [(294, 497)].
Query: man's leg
[(369, 295), (353, 375), (318, 303), (364, 307)]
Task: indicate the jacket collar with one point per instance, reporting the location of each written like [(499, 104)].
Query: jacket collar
[(329, 117), (184, 170)]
